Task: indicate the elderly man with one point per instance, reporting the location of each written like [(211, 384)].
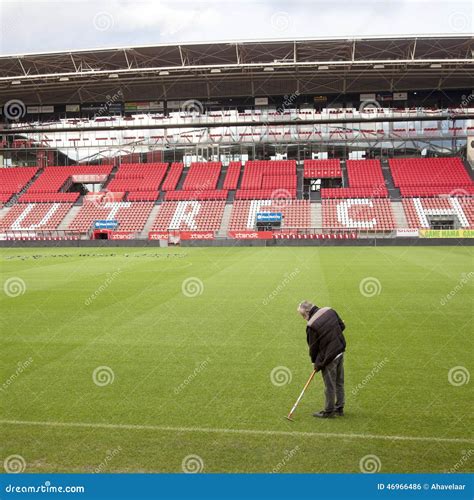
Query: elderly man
[(326, 344)]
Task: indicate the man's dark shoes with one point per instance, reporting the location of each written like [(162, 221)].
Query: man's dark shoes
[(339, 412), (324, 414)]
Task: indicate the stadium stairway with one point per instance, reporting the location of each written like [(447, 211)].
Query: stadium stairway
[(110, 178), (467, 166), (316, 215), (184, 174), (4, 211), (299, 181), (345, 177), (70, 216), (393, 192), (399, 214), (315, 196), (149, 223), (239, 182), (220, 181), (161, 196), (224, 228)]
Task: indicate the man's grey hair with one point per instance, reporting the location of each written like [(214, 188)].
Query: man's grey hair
[(304, 308)]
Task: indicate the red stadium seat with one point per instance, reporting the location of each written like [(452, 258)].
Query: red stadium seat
[(131, 216), (322, 169), (136, 177), (232, 176), (31, 216), (296, 213), (202, 176), (49, 197), (430, 176), (172, 179), (189, 216), (59, 179), (363, 214), (13, 180), (417, 209), (365, 173), (268, 179), (355, 192), (196, 195)]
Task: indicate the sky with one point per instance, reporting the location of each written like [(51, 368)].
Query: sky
[(30, 26)]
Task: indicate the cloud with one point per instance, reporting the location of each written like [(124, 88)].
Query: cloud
[(48, 25)]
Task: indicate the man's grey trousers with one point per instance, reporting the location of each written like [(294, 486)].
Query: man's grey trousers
[(333, 376)]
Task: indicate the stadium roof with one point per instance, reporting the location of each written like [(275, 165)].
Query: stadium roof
[(241, 68)]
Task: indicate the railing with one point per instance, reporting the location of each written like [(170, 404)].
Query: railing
[(214, 118), (41, 235), (332, 232), (174, 236)]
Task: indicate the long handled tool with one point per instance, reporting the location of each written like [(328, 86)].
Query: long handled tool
[(300, 396)]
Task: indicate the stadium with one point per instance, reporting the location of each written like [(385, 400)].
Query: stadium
[(164, 210)]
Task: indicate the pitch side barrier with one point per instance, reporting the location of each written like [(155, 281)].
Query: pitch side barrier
[(226, 242), (277, 234), (40, 235), (176, 236), (277, 237)]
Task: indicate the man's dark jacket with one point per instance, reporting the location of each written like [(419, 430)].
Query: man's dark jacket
[(324, 336)]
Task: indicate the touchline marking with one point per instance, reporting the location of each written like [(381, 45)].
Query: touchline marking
[(251, 432)]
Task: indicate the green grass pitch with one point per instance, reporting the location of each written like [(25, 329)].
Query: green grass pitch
[(164, 360)]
